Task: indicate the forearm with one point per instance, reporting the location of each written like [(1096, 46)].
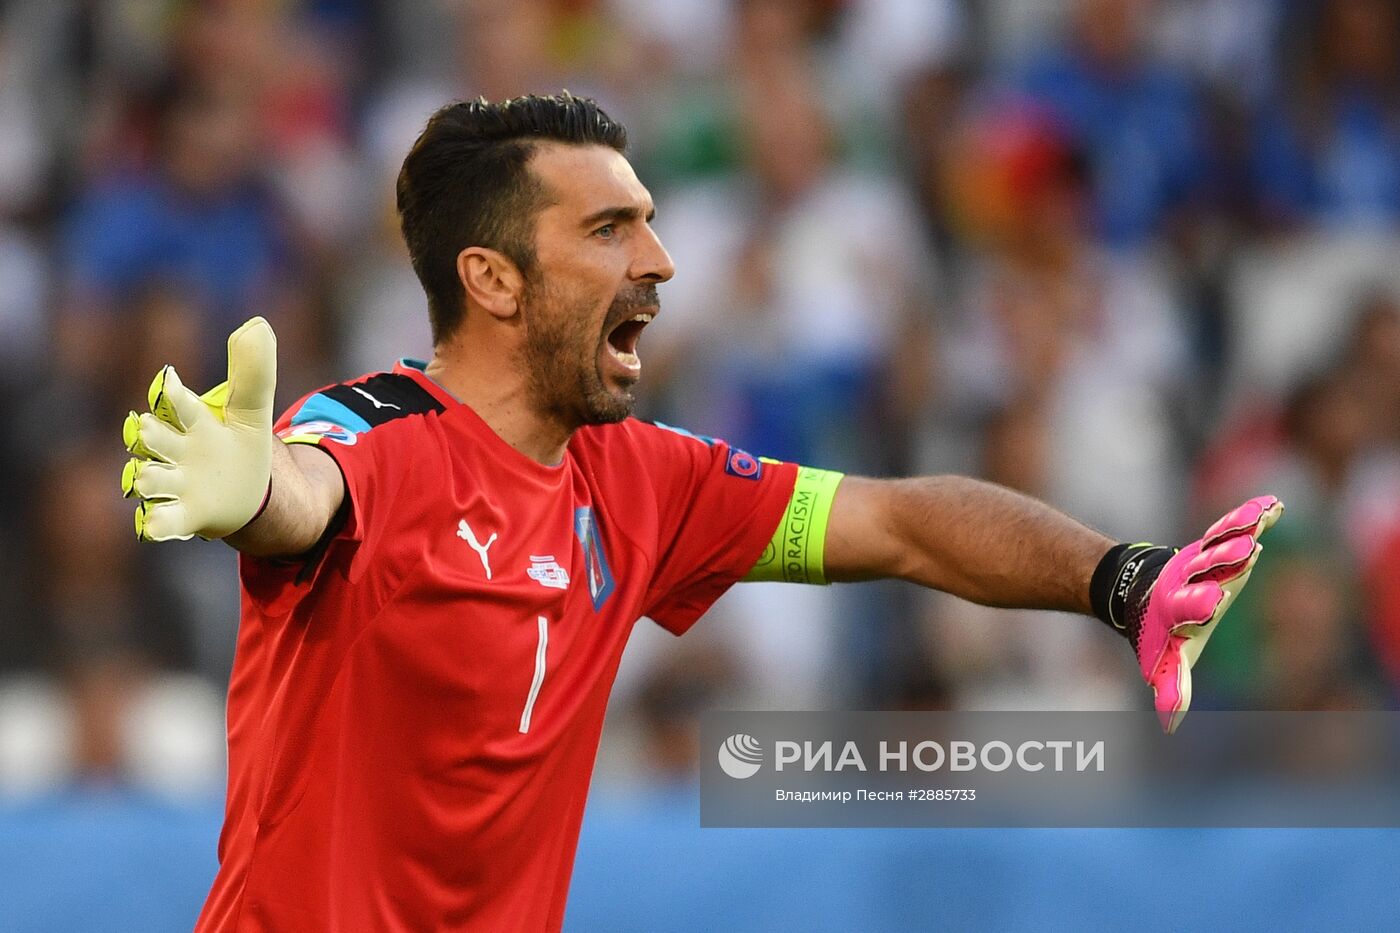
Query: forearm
[(993, 546), (970, 538), (307, 490)]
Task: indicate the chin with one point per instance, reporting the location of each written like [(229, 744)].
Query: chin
[(609, 407), (608, 401), (617, 410)]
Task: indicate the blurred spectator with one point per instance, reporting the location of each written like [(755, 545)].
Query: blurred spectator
[(1065, 355), (1060, 368), (102, 691), (1373, 355), (798, 284), (1138, 120), (25, 148), (1297, 638), (1312, 652), (884, 43), (197, 219), (1326, 429), (795, 281), (85, 622), (384, 317), (1334, 464), (1230, 45), (1328, 145), (1330, 448), (91, 598), (684, 685), (1384, 591)]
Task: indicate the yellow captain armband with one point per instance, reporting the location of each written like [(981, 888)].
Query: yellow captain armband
[(796, 552)]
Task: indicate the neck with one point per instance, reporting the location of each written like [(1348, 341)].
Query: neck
[(495, 389)]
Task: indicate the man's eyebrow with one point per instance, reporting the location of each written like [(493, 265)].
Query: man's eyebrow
[(617, 215)]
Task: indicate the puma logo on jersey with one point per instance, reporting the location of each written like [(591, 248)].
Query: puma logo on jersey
[(546, 572), (464, 531), (377, 403)]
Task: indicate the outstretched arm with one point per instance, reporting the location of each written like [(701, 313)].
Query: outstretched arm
[(999, 548), (967, 537)]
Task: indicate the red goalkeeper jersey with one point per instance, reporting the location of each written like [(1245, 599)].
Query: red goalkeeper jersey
[(414, 712)]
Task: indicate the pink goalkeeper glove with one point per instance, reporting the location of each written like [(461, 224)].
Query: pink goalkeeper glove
[(1168, 604)]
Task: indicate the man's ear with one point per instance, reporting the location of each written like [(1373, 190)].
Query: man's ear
[(491, 280)]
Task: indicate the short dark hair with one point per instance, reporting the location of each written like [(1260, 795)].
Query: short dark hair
[(466, 183)]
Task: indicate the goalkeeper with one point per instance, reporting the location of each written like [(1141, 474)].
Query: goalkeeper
[(441, 563)]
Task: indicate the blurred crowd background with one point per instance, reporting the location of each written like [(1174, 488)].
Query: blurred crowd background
[(1136, 258)]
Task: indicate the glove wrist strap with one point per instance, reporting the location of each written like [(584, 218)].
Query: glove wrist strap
[(267, 497), (1122, 581)]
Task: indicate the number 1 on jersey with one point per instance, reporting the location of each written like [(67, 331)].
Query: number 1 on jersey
[(539, 675)]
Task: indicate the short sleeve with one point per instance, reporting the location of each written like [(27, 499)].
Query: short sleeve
[(717, 508), (362, 438)]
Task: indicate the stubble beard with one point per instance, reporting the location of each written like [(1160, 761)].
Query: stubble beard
[(562, 355)]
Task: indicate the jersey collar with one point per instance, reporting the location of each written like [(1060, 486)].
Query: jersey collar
[(417, 371)]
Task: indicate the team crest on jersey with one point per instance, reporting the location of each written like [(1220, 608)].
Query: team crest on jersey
[(743, 465), (327, 429), (595, 562)]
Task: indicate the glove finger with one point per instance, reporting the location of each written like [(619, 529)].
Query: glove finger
[(1188, 639), (152, 480), (216, 399), (1171, 695), (1223, 561), (162, 521), (1234, 585), (1194, 603), (172, 403), (152, 439), (1223, 595), (129, 474), (1253, 517), (252, 374)]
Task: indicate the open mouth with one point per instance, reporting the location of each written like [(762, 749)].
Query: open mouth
[(622, 340)]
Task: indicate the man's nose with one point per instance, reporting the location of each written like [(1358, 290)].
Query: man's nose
[(652, 263)]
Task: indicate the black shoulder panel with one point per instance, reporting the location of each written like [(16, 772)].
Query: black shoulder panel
[(384, 397)]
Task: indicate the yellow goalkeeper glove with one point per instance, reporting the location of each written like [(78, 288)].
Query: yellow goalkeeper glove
[(203, 463)]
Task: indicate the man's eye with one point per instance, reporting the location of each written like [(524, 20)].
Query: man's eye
[(606, 231)]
